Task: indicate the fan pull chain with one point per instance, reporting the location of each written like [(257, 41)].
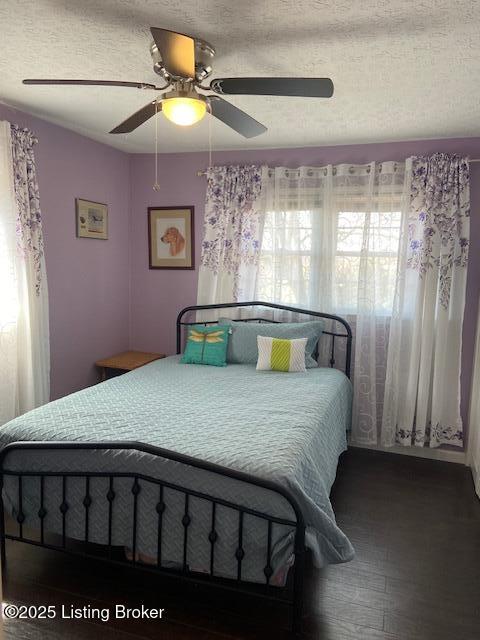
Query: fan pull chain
[(209, 134), (156, 185)]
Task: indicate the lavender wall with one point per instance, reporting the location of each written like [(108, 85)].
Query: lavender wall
[(88, 279), (158, 295)]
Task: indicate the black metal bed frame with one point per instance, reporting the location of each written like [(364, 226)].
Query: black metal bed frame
[(291, 594)]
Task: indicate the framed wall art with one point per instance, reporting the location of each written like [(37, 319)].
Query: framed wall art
[(91, 219), (171, 238)]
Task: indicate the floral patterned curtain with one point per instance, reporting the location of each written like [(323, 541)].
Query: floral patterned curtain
[(24, 329), (29, 217), (232, 234), (422, 399)]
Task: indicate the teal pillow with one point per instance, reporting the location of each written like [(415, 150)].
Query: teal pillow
[(242, 346), (206, 345)]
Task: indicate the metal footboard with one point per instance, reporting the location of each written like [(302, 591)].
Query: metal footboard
[(291, 594)]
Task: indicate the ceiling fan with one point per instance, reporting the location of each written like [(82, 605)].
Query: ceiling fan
[(184, 63)]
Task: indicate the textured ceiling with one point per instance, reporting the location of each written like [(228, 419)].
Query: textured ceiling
[(402, 69)]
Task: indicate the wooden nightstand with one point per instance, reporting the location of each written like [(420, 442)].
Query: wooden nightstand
[(126, 361)]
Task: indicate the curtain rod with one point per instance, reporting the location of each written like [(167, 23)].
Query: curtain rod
[(204, 173)]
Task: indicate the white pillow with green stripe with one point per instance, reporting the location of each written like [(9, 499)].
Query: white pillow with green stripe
[(277, 354)]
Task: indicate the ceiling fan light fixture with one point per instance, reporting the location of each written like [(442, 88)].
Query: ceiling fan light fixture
[(184, 62), (184, 111)]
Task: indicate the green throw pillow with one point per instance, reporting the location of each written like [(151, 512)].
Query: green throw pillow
[(207, 345), (277, 354)]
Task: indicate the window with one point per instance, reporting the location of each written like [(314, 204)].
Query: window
[(297, 267), (8, 289), (380, 231), (286, 257)]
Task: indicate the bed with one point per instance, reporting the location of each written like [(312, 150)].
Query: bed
[(206, 473)]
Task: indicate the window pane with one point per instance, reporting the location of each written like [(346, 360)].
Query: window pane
[(9, 307), (346, 283), (350, 231), (286, 262), (284, 278)]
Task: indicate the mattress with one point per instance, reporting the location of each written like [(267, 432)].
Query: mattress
[(289, 428)]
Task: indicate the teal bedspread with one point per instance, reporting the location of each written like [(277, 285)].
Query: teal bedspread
[(286, 427)]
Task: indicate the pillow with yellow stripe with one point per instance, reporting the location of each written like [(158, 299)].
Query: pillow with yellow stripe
[(277, 354)]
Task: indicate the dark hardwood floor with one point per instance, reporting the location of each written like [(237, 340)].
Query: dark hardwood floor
[(415, 525)]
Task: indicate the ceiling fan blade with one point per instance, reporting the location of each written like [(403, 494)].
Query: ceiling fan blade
[(235, 117), (105, 83), (177, 51), (304, 87), (138, 118)]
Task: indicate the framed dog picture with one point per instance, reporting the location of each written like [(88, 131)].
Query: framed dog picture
[(171, 238), (91, 219)]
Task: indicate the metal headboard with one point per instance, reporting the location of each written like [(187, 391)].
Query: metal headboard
[(272, 305)]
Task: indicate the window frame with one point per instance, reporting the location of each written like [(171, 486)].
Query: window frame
[(356, 204)]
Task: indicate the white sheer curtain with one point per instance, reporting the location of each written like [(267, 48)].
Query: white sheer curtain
[(422, 400), (24, 339), (330, 243)]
